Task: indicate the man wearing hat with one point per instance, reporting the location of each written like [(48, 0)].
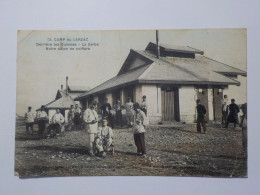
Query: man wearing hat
[(104, 138), (233, 113), (91, 119), (29, 120), (201, 111), (41, 118), (139, 130), (144, 105)]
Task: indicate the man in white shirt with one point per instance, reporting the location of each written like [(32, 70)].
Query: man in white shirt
[(104, 138), (56, 123), (91, 120), (29, 120), (224, 109), (144, 105), (41, 118)]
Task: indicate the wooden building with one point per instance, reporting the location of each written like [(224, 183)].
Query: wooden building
[(172, 78)]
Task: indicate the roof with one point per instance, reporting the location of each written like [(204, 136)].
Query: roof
[(78, 88), (176, 48), (121, 80), (175, 70), (63, 103)]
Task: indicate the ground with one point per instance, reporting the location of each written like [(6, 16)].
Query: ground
[(172, 150)]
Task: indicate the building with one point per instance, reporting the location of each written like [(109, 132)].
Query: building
[(64, 99), (172, 78)]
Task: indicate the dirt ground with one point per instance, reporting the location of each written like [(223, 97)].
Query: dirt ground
[(175, 150)]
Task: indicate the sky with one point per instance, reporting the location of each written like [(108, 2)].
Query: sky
[(41, 72)]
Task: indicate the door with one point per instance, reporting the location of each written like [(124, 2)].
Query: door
[(170, 104)]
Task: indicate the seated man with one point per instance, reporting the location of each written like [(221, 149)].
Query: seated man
[(104, 138), (56, 123)]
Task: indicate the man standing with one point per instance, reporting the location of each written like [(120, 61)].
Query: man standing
[(129, 112), (29, 120), (41, 118), (144, 105), (91, 119), (77, 117), (139, 129), (71, 115), (106, 112), (56, 123), (118, 109), (224, 109), (243, 124), (104, 138), (233, 113), (201, 111)]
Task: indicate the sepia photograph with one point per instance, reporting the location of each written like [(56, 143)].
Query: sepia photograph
[(131, 103)]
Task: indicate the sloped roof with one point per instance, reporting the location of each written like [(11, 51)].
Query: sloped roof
[(174, 70), (118, 81), (64, 103), (78, 88), (176, 48)]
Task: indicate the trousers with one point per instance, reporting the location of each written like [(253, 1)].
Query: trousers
[(104, 144), (201, 122), (90, 140), (140, 143)]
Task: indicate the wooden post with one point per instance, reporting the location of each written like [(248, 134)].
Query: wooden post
[(157, 44)]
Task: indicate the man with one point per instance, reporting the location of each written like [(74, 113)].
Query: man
[(243, 124), (106, 112), (91, 119), (77, 117), (233, 113), (139, 130), (41, 118), (56, 123), (104, 138), (71, 115), (118, 109), (29, 120), (224, 109), (201, 111), (144, 105), (129, 112)]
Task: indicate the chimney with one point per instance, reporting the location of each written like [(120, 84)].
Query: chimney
[(67, 85), (157, 44), (61, 87)]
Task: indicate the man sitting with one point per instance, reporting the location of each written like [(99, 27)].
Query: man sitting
[(56, 123), (104, 138)]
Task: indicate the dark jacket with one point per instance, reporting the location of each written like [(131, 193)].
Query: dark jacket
[(201, 110), (233, 113)]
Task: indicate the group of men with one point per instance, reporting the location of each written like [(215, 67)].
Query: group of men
[(229, 114), (100, 138)]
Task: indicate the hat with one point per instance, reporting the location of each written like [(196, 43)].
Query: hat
[(144, 96)]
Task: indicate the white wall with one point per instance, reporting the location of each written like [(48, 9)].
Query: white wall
[(210, 105), (153, 99), (187, 101)]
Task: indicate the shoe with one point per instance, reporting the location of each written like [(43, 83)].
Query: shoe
[(104, 154), (144, 155), (91, 153)]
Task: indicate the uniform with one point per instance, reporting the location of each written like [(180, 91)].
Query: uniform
[(91, 119), (201, 111), (29, 121), (104, 138), (56, 123), (41, 117), (139, 131)]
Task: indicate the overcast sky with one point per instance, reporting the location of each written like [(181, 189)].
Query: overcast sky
[(40, 73)]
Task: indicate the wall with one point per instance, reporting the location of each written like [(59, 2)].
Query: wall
[(153, 98), (210, 105), (187, 100)]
